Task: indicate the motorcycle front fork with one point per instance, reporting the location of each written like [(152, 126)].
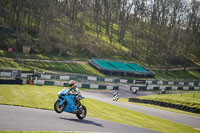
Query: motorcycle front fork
[(77, 102)]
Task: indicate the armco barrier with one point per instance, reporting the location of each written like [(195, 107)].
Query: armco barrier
[(47, 76), (102, 87), (165, 104), (6, 74), (180, 88), (48, 83), (168, 88), (85, 86), (57, 83), (115, 87)]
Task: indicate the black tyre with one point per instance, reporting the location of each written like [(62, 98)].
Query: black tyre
[(81, 114), (59, 108)]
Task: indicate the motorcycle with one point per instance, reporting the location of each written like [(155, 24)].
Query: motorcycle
[(115, 97), (134, 91), (68, 103)]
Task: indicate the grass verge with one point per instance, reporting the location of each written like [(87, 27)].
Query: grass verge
[(44, 97), (191, 98)]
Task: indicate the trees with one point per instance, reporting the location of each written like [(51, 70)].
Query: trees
[(168, 29), (124, 13)]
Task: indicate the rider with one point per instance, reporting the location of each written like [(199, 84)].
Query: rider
[(116, 95), (74, 90)]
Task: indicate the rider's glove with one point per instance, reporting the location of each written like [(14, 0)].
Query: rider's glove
[(79, 97)]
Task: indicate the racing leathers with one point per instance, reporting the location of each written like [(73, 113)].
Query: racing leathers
[(74, 90)]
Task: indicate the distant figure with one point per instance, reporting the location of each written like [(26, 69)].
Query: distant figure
[(116, 96), (163, 91), (134, 91), (146, 84)]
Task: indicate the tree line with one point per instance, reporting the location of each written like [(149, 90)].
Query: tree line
[(168, 28)]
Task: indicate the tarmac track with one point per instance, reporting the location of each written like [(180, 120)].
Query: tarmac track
[(14, 118), (29, 119)]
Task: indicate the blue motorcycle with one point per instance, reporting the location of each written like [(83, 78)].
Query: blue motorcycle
[(69, 103)]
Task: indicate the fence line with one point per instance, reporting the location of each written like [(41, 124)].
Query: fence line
[(149, 84)]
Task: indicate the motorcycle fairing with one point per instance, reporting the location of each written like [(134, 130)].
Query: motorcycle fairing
[(70, 104), (61, 101)]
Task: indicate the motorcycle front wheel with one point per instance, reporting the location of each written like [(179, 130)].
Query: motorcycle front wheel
[(81, 114), (59, 108)]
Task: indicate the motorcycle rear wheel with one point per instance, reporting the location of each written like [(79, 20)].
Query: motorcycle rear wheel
[(59, 108), (81, 114)]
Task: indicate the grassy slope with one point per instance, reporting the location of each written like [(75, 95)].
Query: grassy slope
[(179, 74), (104, 49), (101, 45), (83, 68), (194, 59), (43, 56), (45, 96), (79, 68)]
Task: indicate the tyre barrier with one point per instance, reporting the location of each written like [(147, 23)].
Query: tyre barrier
[(11, 81), (165, 104)]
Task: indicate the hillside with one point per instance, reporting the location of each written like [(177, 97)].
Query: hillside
[(53, 63), (81, 30)]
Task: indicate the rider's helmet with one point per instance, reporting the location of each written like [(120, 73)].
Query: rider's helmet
[(72, 83)]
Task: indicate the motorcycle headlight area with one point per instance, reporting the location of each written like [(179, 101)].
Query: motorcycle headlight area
[(59, 93)]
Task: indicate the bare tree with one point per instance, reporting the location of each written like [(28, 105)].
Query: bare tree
[(125, 9)]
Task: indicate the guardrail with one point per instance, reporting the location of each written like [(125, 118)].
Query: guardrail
[(80, 85), (139, 84)]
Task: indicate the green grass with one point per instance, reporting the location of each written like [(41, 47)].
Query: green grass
[(191, 99), (6, 54), (44, 97), (159, 107), (64, 67), (194, 59), (179, 74), (83, 68), (80, 56)]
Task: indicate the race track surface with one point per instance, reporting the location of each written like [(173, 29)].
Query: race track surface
[(14, 118)]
